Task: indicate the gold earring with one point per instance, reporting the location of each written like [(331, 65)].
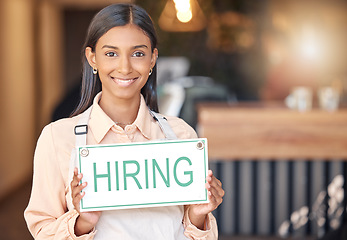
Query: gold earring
[(95, 71), (150, 71)]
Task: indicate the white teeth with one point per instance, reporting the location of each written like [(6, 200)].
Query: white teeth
[(122, 80)]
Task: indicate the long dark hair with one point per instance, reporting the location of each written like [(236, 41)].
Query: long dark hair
[(109, 17)]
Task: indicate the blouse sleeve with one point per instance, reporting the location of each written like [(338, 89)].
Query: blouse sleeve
[(192, 232), (46, 215)]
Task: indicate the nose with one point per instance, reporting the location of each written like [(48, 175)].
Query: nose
[(124, 66)]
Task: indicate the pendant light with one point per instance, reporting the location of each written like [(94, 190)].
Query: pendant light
[(182, 16)]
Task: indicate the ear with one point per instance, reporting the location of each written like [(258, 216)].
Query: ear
[(90, 55), (154, 57)]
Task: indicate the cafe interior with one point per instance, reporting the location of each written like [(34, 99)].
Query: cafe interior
[(264, 81)]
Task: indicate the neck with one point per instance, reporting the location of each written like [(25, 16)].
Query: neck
[(122, 111)]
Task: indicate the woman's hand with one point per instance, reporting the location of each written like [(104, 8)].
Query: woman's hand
[(198, 212), (86, 221)]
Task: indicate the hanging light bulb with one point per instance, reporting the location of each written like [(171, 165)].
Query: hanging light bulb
[(182, 5), (182, 16), (183, 10)]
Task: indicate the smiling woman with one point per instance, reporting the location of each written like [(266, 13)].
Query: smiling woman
[(123, 58), (120, 59), (98, 27)]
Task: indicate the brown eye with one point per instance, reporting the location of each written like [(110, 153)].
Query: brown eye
[(138, 54), (111, 54)]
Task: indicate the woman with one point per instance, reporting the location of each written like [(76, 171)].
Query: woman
[(120, 58)]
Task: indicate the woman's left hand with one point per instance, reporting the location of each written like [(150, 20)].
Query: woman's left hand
[(197, 212)]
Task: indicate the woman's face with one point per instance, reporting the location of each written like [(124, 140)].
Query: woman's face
[(123, 57)]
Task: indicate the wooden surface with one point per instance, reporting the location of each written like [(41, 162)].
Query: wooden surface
[(272, 132)]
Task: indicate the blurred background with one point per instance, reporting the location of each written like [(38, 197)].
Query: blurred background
[(235, 56)]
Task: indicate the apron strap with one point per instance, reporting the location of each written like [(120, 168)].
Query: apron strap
[(164, 125), (81, 130)]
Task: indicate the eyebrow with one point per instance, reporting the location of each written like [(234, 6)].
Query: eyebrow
[(135, 47)]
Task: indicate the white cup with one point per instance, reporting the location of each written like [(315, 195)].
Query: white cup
[(300, 99), (329, 98)]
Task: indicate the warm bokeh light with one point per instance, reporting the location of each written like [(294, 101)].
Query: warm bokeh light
[(183, 10), (184, 16), (310, 46), (182, 5)]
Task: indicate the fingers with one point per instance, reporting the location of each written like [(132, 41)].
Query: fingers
[(75, 183), (216, 194), (77, 191), (211, 177), (215, 190), (76, 178), (76, 188), (213, 182)]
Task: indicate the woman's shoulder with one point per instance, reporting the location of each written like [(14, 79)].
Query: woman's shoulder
[(61, 128)]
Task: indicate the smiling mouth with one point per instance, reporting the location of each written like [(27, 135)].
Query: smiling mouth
[(124, 82)]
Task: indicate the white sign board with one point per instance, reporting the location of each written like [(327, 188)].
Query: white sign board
[(146, 174)]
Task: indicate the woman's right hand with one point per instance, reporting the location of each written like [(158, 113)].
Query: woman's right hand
[(86, 221)]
